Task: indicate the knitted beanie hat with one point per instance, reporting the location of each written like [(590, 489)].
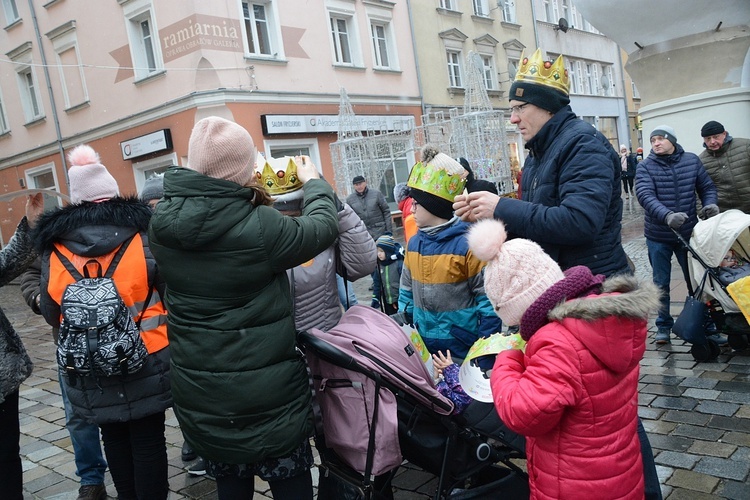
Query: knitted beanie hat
[(400, 192), (517, 272), (437, 206), (221, 149), (89, 179), (390, 247), (712, 128), (667, 132), (153, 188)]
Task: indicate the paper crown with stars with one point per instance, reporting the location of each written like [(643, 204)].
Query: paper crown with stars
[(279, 177), (438, 174)]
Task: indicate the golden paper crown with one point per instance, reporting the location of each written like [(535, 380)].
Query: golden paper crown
[(277, 175), (551, 74)]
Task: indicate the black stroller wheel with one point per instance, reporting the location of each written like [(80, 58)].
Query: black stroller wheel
[(701, 352), (737, 341), (715, 349)]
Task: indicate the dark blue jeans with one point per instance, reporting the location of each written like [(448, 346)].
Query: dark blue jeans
[(660, 257), (87, 449), (650, 477)]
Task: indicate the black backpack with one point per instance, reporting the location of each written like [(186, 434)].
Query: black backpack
[(98, 335)]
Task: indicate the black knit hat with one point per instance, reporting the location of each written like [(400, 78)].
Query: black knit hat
[(439, 207), (539, 95), (712, 128), (357, 179)]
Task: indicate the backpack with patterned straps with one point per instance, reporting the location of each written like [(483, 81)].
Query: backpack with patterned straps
[(98, 335)]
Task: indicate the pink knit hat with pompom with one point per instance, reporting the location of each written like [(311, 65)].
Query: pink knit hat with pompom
[(518, 271), (89, 179)]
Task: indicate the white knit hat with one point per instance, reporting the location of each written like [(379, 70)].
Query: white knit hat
[(89, 179), (221, 149), (518, 271)]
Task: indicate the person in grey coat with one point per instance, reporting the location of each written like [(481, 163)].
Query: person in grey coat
[(370, 205), (15, 364)]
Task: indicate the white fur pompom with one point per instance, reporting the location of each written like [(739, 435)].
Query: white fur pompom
[(486, 237), (83, 155)]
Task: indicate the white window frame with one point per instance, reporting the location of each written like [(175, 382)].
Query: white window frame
[(488, 71), (28, 84), (609, 91), (589, 85), (572, 78), (481, 8), (142, 169), (509, 10), (137, 12), (10, 8), (64, 39), (595, 78), (273, 29), (382, 16), (636, 94), (581, 79), (344, 10), (455, 71), (448, 4), (379, 37), (551, 9), (4, 124), (31, 174), (310, 143)]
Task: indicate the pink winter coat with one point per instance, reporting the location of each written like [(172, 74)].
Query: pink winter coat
[(574, 395)]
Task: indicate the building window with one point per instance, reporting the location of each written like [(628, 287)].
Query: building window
[(550, 11), (142, 170), (72, 77), (609, 90), (447, 4), (11, 11), (608, 128), (565, 9), (145, 49), (595, 88), (509, 10), (636, 95), (340, 36), (579, 77), (257, 26), (572, 79), (481, 8), (380, 44), (589, 79), (30, 97), (4, 127), (454, 68), (488, 72), (44, 177)]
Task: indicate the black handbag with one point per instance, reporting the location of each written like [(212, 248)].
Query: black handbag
[(690, 324)]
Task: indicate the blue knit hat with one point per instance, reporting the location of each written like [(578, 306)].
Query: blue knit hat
[(389, 246)]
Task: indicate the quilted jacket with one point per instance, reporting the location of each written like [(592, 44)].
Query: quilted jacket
[(729, 168), (573, 394), (668, 183)]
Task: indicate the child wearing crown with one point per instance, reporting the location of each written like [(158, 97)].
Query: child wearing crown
[(442, 285)]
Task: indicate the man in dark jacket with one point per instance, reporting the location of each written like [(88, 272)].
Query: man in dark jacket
[(370, 205), (665, 185), (727, 161), (570, 203)]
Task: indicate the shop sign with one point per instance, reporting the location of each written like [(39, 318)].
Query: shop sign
[(154, 142), (315, 124)]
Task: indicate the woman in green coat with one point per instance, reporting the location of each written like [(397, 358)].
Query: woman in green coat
[(239, 386)]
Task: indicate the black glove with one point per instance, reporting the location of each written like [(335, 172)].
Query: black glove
[(675, 220), (709, 211), (337, 201), (375, 304)]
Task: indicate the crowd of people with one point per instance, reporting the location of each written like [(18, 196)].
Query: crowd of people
[(220, 263)]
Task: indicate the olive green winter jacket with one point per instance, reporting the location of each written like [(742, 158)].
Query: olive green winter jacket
[(729, 168), (240, 388)]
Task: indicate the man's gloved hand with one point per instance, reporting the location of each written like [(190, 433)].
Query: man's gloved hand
[(676, 219), (375, 304), (338, 202), (709, 211)]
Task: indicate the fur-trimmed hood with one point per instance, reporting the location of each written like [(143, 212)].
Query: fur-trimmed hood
[(611, 325), (91, 229)]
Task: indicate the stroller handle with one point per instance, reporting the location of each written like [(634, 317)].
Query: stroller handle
[(331, 353), (710, 270)]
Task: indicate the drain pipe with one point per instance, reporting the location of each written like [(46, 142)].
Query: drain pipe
[(50, 93)]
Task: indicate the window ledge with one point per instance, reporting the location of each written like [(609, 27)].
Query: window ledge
[(4, 135), (15, 23), (50, 3), (151, 76), (35, 122), (512, 26), (387, 70), (482, 19), (266, 59), (76, 107), (495, 93), (446, 12), (348, 66), (456, 91)]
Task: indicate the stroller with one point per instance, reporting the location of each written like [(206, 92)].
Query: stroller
[(376, 405), (710, 242)]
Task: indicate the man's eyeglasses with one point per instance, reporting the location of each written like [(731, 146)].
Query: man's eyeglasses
[(516, 110)]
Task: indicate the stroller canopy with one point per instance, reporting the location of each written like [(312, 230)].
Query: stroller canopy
[(712, 238)]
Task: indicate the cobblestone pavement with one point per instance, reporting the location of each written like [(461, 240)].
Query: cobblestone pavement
[(697, 414)]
